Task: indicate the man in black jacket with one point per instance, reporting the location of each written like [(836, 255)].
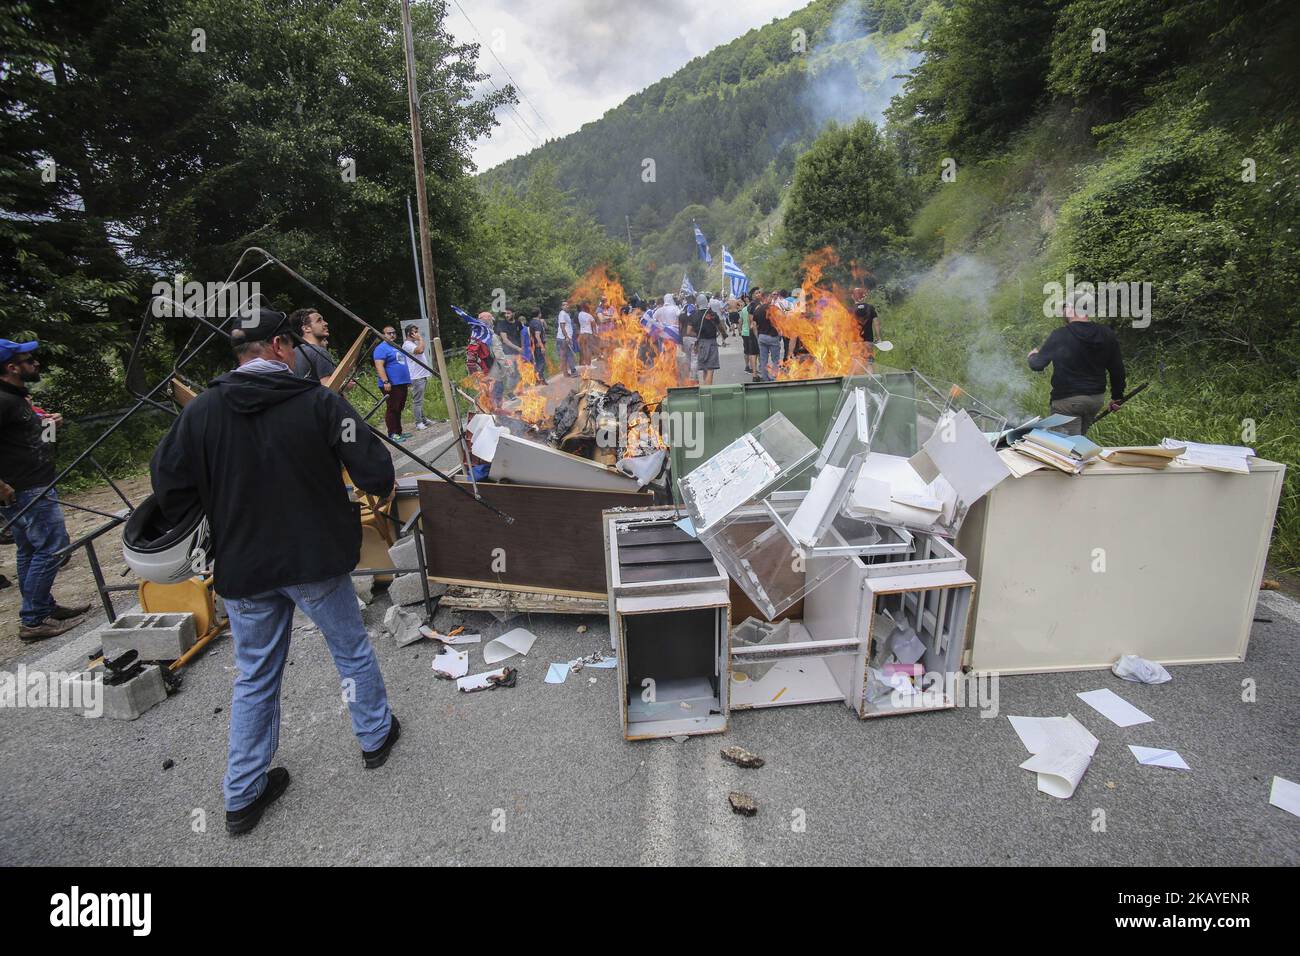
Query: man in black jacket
[(1081, 354), (27, 469), (251, 448)]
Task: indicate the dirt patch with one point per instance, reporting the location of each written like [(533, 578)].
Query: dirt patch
[(75, 584)]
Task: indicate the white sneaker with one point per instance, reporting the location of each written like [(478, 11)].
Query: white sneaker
[(421, 426)]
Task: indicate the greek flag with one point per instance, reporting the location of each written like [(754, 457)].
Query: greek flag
[(739, 281), (687, 288), (703, 245), (657, 330), (478, 331)]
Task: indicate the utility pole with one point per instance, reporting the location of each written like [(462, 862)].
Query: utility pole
[(426, 249)]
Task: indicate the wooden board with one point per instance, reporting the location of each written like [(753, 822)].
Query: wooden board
[(555, 542), (182, 394), (343, 371), (496, 599)]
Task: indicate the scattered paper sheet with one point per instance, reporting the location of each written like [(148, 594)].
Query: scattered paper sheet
[(482, 681), (1139, 670), (517, 641), (1040, 733), (557, 673), (485, 442), (1059, 769), (871, 494), (1020, 465), (452, 664), (1155, 757), (461, 638), (1114, 708), (1062, 749), (1230, 458), (1286, 795), (686, 525), (907, 647), (606, 664)]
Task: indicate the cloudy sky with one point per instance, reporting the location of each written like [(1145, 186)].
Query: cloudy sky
[(574, 59)]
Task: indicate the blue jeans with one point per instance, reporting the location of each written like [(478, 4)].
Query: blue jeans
[(769, 354), (261, 626), (38, 534), (565, 348)]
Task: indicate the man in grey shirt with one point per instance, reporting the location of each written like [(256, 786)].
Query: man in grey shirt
[(313, 360)]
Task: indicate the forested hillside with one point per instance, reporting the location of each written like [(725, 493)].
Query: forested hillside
[(716, 142), (1134, 141)]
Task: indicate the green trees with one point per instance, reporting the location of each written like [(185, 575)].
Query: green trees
[(536, 242), (850, 193), (984, 71), (182, 131)]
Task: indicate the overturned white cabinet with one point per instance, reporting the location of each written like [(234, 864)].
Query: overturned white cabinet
[(1076, 571)]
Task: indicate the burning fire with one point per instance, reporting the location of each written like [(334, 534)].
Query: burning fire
[(631, 357), (532, 401), (824, 326)]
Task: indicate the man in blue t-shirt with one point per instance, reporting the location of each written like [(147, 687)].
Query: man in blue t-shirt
[(394, 378)]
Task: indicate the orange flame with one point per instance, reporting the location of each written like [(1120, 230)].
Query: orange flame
[(823, 325), (631, 358), (532, 401)]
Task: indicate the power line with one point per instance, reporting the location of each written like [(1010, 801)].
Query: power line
[(513, 81)]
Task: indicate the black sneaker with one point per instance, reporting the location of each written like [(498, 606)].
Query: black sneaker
[(241, 821), (374, 759)]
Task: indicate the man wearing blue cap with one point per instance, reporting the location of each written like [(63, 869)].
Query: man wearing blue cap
[(27, 469)]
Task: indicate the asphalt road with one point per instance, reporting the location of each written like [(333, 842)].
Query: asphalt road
[(539, 774)]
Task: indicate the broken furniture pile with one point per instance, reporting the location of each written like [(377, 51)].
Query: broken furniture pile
[(853, 557), (600, 436)]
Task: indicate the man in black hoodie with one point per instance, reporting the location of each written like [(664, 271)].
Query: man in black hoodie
[(1081, 353), (251, 448)]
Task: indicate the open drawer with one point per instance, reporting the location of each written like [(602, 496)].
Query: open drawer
[(910, 627)]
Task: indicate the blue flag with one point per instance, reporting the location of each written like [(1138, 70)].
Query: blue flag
[(479, 331), (702, 244)]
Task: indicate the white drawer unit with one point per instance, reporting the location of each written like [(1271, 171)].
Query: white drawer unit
[(669, 620), (915, 607), (848, 628)]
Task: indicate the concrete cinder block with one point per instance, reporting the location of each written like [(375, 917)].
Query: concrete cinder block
[(155, 637), (403, 625), (406, 589), (129, 700), (365, 588), (403, 553)]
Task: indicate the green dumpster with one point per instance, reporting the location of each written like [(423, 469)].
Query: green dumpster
[(698, 422)]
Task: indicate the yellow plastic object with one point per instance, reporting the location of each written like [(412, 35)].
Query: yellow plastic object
[(189, 597)]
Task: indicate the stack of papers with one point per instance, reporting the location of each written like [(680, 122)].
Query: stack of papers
[(1154, 457), (1071, 466), (1051, 423), (1234, 459)]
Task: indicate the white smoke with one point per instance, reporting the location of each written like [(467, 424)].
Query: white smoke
[(853, 77), (956, 295)]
